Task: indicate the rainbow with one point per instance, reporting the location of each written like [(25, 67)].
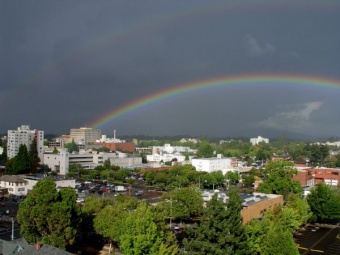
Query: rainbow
[(272, 79)]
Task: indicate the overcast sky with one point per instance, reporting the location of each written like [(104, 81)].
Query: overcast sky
[(65, 64)]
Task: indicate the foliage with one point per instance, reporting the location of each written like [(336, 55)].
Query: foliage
[(213, 179), (107, 164), (220, 230), (278, 179), (233, 176), (77, 170), (21, 162), (184, 203), (279, 242), (72, 147), (324, 202), (49, 216), (317, 153), (3, 156), (33, 155), (273, 233), (141, 235), (301, 206), (205, 150)]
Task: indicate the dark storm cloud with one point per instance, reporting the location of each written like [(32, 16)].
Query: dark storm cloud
[(64, 64)]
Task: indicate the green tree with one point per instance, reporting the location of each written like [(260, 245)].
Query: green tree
[(233, 176), (49, 216), (279, 242), (220, 230), (205, 150), (141, 235), (273, 233), (278, 179), (110, 218), (72, 147), (21, 163), (184, 203), (107, 164), (317, 153), (302, 207), (3, 156), (324, 202), (33, 155)]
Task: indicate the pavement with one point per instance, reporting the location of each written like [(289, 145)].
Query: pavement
[(318, 239)]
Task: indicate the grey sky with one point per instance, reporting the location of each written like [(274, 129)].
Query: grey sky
[(64, 64)]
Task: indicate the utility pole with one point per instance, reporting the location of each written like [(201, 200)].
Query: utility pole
[(12, 229), (170, 211)]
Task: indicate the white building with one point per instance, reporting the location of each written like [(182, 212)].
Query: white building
[(23, 135), (105, 139), (22, 185), (84, 135), (165, 157), (259, 139), (61, 162), (213, 164)]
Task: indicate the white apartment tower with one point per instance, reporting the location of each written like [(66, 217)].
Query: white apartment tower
[(23, 135), (85, 135)]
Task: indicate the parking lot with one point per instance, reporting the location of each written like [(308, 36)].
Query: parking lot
[(318, 239)]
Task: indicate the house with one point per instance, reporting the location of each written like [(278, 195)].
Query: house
[(14, 184), (22, 247), (21, 185)]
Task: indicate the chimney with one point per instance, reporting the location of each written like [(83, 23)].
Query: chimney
[(38, 246)]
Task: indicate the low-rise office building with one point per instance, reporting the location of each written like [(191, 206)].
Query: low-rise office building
[(210, 165), (88, 160)]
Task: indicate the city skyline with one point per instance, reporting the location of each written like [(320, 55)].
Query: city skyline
[(199, 68)]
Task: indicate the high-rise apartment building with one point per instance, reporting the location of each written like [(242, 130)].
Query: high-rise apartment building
[(23, 135), (85, 135)]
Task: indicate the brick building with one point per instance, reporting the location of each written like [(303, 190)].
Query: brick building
[(256, 204), (330, 176), (123, 147)]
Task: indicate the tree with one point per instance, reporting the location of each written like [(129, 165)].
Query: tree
[(184, 203), (233, 176), (33, 155), (279, 242), (3, 156), (107, 164), (49, 216), (220, 230), (205, 150), (302, 207), (141, 235), (109, 217), (273, 233), (278, 179), (317, 153), (55, 151), (324, 202), (21, 162), (72, 147)]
